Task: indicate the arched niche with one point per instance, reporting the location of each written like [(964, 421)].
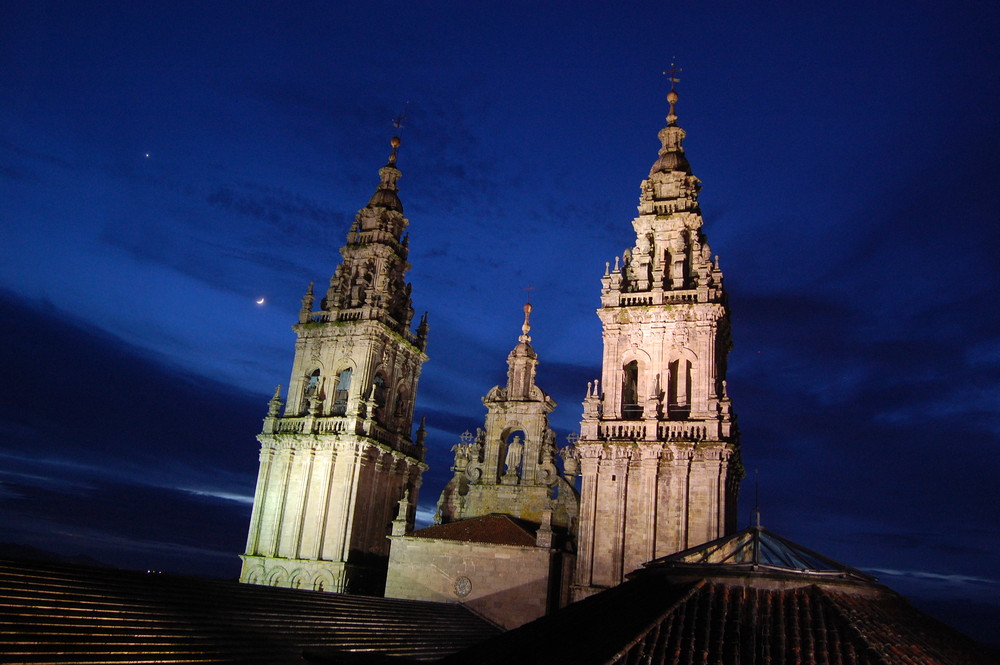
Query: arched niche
[(634, 385), (512, 451), (323, 581), (341, 392), (311, 384), (299, 579), (680, 383), (278, 577)]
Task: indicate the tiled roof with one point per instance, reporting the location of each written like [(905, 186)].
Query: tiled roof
[(57, 613), (664, 615), (494, 529)]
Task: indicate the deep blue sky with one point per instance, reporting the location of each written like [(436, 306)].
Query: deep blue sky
[(848, 155)]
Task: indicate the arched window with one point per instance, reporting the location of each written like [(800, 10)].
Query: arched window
[(679, 389), (310, 390), (340, 393), (631, 408)]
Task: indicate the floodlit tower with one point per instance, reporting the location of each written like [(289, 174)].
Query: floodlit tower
[(510, 466), (658, 443), (336, 462)]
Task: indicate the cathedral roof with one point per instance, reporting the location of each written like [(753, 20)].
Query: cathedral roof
[(57, 613), (693, 608), (493, 529)]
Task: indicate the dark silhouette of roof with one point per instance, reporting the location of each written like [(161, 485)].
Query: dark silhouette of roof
[(722, 604), (58, 613)]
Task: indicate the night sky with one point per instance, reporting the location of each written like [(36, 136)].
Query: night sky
[(164, 165)]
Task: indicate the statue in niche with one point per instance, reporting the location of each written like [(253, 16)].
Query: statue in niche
[(513, 458)]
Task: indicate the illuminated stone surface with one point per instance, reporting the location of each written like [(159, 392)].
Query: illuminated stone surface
[(499, 566), (658, 446), (336, 462), (517, 569), (510, 466)]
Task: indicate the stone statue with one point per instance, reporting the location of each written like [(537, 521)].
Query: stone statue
[(513, 459), (571, 460)]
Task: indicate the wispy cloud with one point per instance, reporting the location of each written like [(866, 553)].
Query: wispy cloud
[(219, 494)]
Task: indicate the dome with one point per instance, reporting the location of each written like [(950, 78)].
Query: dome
[(671, 161)]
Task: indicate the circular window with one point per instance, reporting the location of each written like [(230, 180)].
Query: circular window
[(463, 586)]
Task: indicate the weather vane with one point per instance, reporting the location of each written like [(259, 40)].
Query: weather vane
[(672, 74), (397, 122)]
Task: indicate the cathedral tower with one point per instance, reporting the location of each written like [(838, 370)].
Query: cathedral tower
[(509, 467), (658, 446), (337, 460)]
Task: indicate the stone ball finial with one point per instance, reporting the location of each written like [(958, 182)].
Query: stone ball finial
[(526, 326)]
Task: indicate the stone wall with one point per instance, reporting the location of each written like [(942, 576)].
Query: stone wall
[(507, 584)]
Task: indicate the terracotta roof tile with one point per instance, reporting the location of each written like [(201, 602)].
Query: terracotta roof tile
[(494, 529), (654, 620)]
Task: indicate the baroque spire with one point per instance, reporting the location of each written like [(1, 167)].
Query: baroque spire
[(371, 284), (522, 363), (670, 252)]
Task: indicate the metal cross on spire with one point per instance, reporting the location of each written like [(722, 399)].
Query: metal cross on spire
[(397, 122), (672, 73)]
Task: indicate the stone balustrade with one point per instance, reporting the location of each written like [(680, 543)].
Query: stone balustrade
[(659, 431), (361, 314), (345, 425)]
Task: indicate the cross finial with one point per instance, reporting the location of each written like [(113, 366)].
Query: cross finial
[(397, 122), (672, 73)]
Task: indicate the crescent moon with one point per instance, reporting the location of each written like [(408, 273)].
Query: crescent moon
[(260, 302)]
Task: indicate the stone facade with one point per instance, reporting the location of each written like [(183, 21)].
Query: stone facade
[(658, 443), (495, 548), (510, 466), (337, 460), (506, 570)]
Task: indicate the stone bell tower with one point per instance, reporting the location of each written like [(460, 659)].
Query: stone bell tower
[(509, 467), (658, 442), (337, 460)]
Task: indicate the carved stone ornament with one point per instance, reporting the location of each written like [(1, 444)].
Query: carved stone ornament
[(463, 586), (682, 336)]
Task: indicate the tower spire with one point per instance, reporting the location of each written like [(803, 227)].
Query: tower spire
[(671, 75)]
